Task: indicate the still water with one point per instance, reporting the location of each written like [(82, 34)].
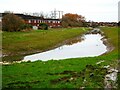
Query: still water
[(90, 46)]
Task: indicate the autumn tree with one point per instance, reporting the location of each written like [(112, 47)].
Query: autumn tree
[(11, 22), (72, 20)]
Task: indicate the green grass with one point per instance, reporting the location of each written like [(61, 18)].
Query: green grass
[(42, 72), (68, 73)]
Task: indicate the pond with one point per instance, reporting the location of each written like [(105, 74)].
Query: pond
[(91, 45)]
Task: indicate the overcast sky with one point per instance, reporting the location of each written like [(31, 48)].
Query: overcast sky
[(95, 10)]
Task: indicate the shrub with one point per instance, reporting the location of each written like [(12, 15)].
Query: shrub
[(26, 26), (43, 26), (11, 22), (64, 24)]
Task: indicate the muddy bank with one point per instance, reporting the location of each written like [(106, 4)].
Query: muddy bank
[(110, 47), (104, 76), (90, 75)]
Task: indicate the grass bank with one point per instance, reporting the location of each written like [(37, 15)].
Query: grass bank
[(68, 73), (16, 44)]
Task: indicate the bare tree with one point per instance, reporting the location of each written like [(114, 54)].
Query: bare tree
[(11, 22)]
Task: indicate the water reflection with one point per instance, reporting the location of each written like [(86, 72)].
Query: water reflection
[(90, 46), (73, 41)]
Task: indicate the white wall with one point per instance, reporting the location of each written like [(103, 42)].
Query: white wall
[(35, 27)]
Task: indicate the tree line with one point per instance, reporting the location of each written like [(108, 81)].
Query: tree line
[(11, 22)]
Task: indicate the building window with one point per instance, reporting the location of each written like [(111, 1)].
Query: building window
[(37, 21), (58, 21), (29, 21), (49, 22), (34, 21), (53, 21)]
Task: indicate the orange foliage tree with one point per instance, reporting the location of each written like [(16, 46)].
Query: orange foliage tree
[(73, 20)]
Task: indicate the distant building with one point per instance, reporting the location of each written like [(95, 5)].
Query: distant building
[(35, 21), (111, 24)]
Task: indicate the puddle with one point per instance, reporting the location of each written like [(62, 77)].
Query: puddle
[(90, 46)]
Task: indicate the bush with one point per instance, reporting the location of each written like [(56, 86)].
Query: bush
[(64, 24), (11, 22), (26, 26), (43, 26)]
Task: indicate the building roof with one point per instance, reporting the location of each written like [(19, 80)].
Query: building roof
[(28, 16), (51, 19), (24, 16)]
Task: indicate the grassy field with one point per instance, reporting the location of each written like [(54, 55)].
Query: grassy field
[(16, 44), (68, 73)]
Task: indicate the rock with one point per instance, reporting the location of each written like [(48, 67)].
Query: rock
[(107, 66), (100, 62), (91, 74)]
